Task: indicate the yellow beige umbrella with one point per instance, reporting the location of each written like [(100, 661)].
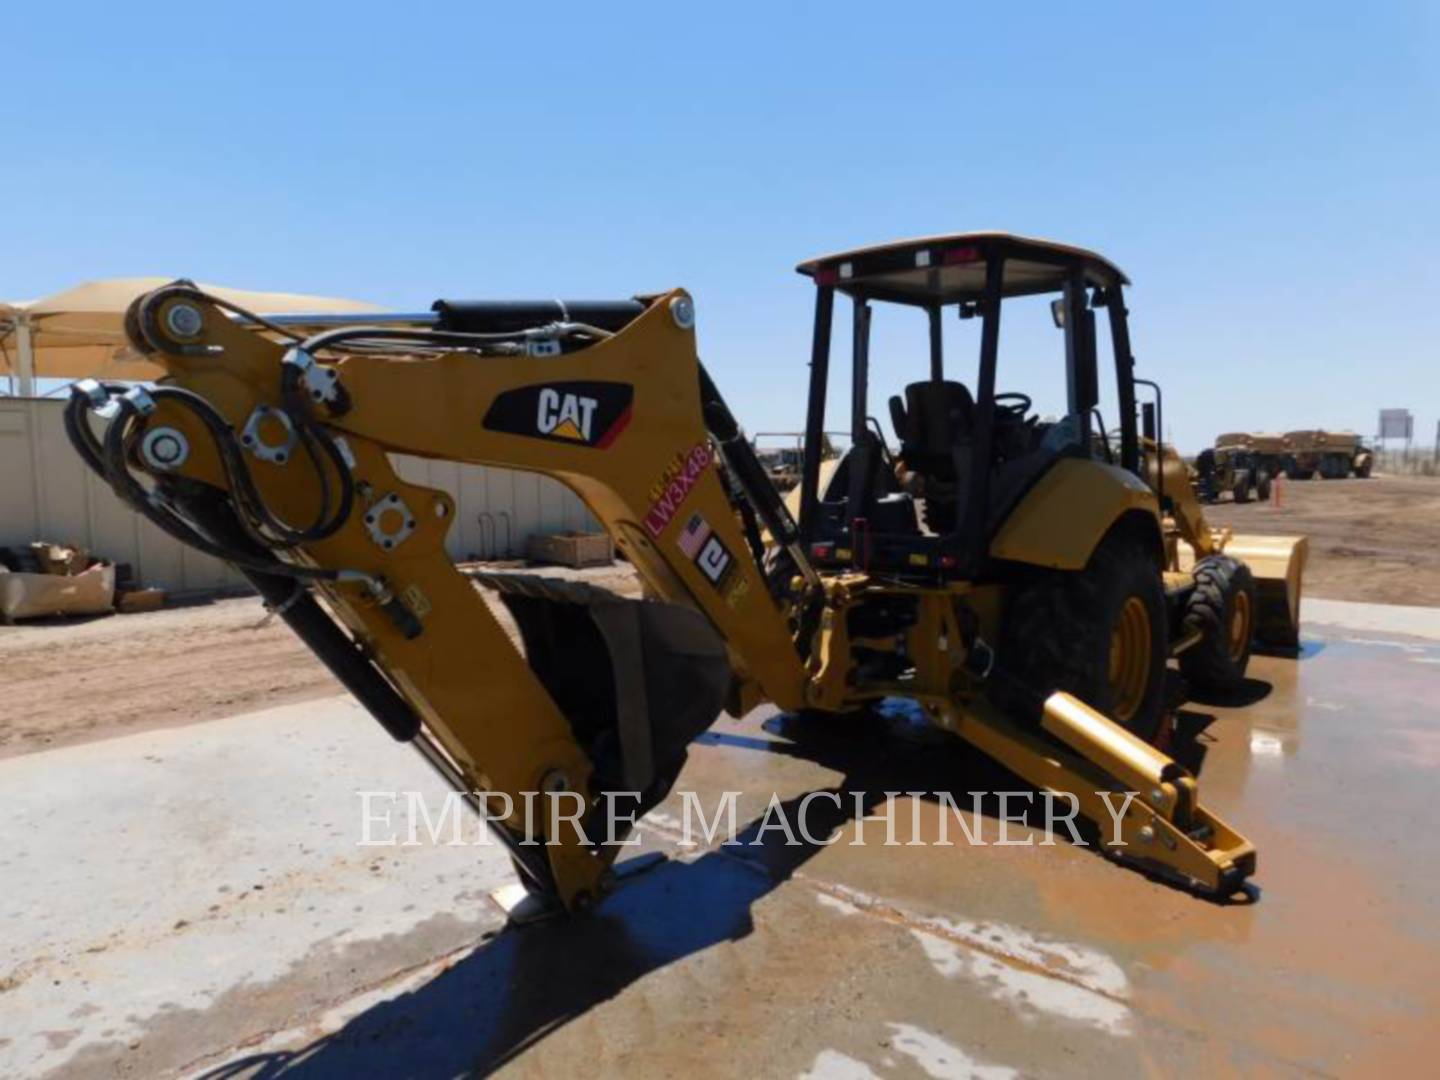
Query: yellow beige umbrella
[(79, 333)]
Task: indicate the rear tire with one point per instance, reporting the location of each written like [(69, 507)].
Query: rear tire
[(1099, 633), (1262, 487), (1222, 607), (1240, 486)]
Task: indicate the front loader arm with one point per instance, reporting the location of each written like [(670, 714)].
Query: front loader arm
[(1167, 472), (617, 419)]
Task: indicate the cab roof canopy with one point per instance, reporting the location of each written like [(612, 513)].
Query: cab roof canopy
[(950, 269)]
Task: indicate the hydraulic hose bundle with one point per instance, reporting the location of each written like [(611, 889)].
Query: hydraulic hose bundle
[(109, 457), (459, 329), (238, 525)]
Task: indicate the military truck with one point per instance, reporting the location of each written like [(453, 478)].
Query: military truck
[(1334, 455), (1243, 464)]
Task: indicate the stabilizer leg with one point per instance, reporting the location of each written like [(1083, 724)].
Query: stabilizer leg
[(1151, 817)]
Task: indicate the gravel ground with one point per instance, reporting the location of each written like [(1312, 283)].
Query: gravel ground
[(1370, 540), (66, 681)]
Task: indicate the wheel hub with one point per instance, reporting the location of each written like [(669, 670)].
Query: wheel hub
[(1130, 645), (1239, 630)]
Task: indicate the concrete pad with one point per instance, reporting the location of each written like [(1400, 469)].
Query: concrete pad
[(213, 872), (1421, 622), (818, 958)]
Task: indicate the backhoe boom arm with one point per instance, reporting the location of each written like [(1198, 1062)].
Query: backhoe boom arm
[(615, 416)]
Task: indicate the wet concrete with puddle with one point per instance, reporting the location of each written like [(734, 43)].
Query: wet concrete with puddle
[(835, 959)]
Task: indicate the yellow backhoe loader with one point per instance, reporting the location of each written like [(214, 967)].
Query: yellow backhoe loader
[(1024, 582)]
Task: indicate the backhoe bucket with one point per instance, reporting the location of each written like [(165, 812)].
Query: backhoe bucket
[(1278, 566), (637, 680)]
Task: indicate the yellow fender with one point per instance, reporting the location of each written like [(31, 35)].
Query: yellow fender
[(1063, 518)]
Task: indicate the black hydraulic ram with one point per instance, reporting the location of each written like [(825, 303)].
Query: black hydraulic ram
[(509, 316), (758, 488), (476, 316), (338, 652), (293, 602)]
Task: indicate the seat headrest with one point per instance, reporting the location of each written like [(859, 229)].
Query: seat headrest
[(931, 395), (938, 412)]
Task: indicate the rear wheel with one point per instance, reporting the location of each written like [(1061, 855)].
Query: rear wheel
[(1240, 486), (1262, 486), (1222, 607), (1099, 634)]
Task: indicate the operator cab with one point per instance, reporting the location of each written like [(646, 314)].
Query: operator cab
[(966, 454)]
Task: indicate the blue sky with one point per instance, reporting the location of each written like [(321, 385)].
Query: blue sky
[(1265, 173)]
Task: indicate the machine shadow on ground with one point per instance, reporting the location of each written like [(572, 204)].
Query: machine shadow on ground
[(525, 983), (1247, 692)]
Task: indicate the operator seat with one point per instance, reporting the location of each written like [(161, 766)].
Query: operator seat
[(936, 427), (932, 419)]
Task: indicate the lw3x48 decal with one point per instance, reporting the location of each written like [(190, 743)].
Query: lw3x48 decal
[(669, 493), (587, 412)]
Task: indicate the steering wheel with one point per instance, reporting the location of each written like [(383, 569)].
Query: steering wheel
[(1017, 405)]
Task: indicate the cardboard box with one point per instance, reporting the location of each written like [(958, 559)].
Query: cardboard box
[(31, 596)]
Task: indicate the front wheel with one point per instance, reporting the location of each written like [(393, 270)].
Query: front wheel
[(1262, 486), (1099, 633), (1222, 609), (1240, 487)]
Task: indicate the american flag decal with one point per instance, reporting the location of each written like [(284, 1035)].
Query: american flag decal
[(693, 535)]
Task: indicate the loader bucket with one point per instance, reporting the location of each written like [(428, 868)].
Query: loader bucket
[(1278, 566)]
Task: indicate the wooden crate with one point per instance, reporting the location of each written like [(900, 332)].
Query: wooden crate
[(572, 549)]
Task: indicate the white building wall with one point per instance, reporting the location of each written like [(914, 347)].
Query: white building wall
[(497, 509), (47, 493)]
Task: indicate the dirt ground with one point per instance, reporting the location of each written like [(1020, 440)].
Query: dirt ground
[(1371, 540), (64, 682)]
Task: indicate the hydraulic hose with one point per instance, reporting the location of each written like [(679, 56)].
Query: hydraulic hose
[(243, 484), (108, 461), (446, 340)]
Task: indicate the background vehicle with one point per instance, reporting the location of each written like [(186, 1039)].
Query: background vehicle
[(1242, 464), (1018, 580), (781, 454), (1334, 455)]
